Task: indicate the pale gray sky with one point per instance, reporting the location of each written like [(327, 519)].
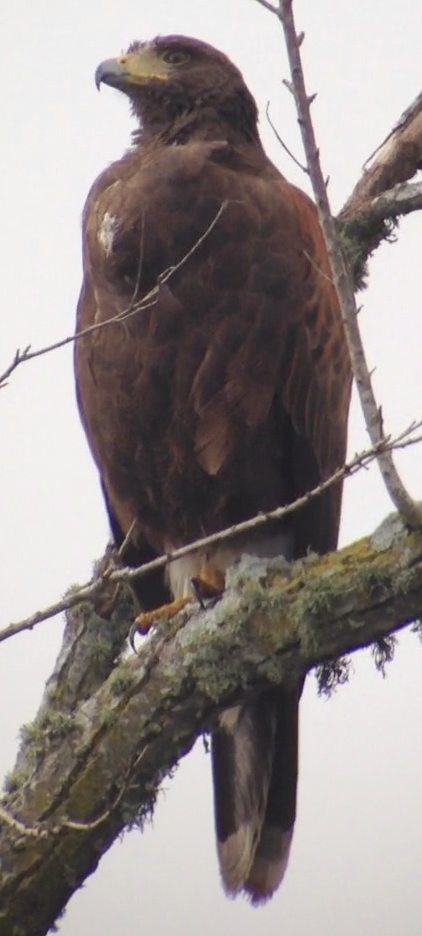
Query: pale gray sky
[(357, 853)]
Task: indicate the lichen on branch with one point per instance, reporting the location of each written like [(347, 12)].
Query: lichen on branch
[(83, 777)]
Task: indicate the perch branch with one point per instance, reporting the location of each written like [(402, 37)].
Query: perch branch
[(279, 621)]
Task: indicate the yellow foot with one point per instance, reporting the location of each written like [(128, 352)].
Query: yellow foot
[(143, 623), (209, 584)]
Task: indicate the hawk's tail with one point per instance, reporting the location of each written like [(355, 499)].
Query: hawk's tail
[(255, 776)]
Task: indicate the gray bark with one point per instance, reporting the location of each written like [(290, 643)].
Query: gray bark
[(110, 728)]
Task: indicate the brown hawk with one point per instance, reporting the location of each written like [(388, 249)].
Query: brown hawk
[(216, 387)]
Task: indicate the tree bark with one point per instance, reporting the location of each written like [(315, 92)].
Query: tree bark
[(88, 769)]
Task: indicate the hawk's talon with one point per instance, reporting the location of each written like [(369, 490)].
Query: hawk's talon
[(133, 631), (147, 619)]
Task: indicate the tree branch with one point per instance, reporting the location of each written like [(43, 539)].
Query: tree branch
[(107, 572), (134, 308), (363, 229), (341, 275), (268, 6), (95, 767), (397, 159), (402, 199)]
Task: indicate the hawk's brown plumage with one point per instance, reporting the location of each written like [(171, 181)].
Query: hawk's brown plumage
[(227, 393)]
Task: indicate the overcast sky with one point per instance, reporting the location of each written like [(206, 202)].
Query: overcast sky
[(357, 853)]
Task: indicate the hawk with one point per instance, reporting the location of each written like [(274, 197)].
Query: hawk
[(213, 382)]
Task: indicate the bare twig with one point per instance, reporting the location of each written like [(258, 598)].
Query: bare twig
[(268, 6), (88, 591), (281, 141), (101, 819), (141, 258), (28, 355), (6, 818), (43, 830), (132, 309), (122, 548), (410, 512)]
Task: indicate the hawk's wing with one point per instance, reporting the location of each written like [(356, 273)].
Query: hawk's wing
[(239, 355)]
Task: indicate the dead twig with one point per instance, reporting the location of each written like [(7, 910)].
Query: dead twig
[(133, 308), (43, 830), (6, 818), (268, 6), (88, 591), (409, 511), (123, 547), (281, 141)]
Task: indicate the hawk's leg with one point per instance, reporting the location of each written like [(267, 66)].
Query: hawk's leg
[(207, 586), (143, 622)]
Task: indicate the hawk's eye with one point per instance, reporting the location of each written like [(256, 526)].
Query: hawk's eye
[(175, 57)]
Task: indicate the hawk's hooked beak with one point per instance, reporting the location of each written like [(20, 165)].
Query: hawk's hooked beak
[(131, 69)]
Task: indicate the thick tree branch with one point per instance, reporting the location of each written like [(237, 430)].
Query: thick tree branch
[(404, 198), (87, 771), (363, 230), (397, 160)]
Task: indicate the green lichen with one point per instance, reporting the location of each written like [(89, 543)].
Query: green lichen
[(331, 674), (37, 735), (375, 581), (120, 681), (383, 651), (33, 736), (360, 235), (58, 724), (13, 780), (402, 581), (100, 647)]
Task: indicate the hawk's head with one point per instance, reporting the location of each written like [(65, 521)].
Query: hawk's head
[(174, 77)]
